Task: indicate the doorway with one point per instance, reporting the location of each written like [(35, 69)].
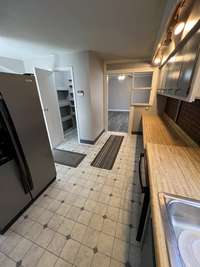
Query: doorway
[(56, 90), (64, 85), (119, 100)]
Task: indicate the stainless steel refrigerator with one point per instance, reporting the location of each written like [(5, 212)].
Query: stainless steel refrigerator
[(26, 161)]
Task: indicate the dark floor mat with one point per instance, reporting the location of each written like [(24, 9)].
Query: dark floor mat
[(106, 157), (69, 158)]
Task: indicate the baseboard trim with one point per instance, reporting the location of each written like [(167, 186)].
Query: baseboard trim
[(91, 142), (119, 110), (137, 132)]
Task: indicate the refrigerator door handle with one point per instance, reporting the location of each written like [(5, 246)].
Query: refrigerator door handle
[(26, 180)]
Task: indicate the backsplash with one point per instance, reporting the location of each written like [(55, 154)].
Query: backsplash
[(186, 115)]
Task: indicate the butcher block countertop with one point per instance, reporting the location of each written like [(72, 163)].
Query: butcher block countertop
[(174, 170), (174, 167), (159, 130)]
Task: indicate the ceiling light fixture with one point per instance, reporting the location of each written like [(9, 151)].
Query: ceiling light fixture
[(157, 61), (179, 28), (121, 77)]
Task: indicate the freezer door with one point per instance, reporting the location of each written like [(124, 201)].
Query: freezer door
[(12, 196), (20, 95)]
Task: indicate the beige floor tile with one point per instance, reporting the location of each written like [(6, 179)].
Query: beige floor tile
[(8, 263), (115, 202), (66, 227), (34, 231), (55, 222), (54, 205), (32, 257), (96, 222), (90, 205), (21, 249), (84, 257), (104, 198), (47, 260), (123, 232), (115, 263), (63, 209), (23, 228), (78, 232), (45, 217), (100, 209), (93, 195), (109, 227), (120, 250), (57, 244), (45, 237), (91, 237), (84, 217), (35, 212), (70, 250), (105, 244), (10, 243), (80, 202), (113, 213), (124, 217), (62, 263), (73, 213), (100, 260), (2, 257)]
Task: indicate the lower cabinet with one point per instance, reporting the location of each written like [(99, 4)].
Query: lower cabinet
[(148, 256)]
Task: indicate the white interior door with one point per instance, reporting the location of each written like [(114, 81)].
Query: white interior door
[(50, 105)]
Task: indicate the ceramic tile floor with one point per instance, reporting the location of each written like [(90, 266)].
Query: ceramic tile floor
[(87, 217), (71, 144)]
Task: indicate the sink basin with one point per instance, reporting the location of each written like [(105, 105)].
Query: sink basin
[(181, 220)]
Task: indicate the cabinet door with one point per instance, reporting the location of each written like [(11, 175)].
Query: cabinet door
[(174, 69), (189, 58)]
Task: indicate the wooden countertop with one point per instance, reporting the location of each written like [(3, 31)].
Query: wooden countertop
[(173, 166), (175, 170), (158, 131)]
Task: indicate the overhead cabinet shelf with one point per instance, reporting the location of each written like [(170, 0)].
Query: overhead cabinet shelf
[(178, 74)]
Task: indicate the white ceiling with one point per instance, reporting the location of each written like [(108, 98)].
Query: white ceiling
[(114, 28)]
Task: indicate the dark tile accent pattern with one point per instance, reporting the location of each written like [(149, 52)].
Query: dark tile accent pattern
[(189, 119)]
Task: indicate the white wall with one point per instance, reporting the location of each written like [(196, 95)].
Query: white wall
[(42, 62), (11, 65), (119, 93), (88, 77), (97, 93)]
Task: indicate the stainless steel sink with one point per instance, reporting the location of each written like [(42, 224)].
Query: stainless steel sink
[(179, 214)]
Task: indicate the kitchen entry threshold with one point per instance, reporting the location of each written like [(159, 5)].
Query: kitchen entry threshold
[(68, 158)]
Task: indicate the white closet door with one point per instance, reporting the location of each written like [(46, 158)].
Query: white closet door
[(50, 106)]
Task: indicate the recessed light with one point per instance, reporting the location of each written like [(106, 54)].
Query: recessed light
[(121, 77), (179, 28)]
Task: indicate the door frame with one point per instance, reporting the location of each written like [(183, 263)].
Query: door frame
[(115, 72), (70, 68)]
